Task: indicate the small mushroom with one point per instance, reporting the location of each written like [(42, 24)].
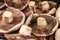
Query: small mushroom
[(45, 8), (43, 25), (20, 4), (57, 35), (2, 4), (11, 20)]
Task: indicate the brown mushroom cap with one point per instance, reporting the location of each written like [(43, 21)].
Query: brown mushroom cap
[(20, 4), (19, 37), (52, 6), (49, 29), (2, 4), (18, 17)]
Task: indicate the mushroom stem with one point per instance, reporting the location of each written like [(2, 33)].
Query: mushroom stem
[(25, 30), (45, 5), (32, 3), (7, 17), (41, 22)]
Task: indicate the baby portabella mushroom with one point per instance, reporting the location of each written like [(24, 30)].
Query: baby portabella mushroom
[(45, 7), (20, 4), (24, 34), (43, 25), (11, 20)]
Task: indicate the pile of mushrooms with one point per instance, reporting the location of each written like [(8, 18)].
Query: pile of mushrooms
[(29, 20)]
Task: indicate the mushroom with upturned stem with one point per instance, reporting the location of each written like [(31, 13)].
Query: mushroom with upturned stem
[(11, 20), (45, 8), (24, 34), (20, 4), (44, 25)]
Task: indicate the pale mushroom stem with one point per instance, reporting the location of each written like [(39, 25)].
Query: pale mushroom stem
[(32, 3), (7, 17), (25, 30), (41, 22)]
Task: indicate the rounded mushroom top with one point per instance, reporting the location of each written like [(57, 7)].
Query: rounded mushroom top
[(11, 19), (20, 4), (43, 25)]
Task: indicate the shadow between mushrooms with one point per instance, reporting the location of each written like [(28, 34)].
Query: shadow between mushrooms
[(20, 4), (2, 4), (11, 20), (43, 25)]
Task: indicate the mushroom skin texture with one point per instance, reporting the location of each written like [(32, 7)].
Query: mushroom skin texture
[(18, 20), (19, 4), (58, 15), (52, 25), (57, 34)]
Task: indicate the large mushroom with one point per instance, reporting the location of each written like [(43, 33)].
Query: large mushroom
[(20, 4), (24, 34), (11, 20), (45, 7), (2, 4), (43, 25)]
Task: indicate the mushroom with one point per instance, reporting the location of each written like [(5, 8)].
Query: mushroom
[(20, 4), (57, 35), (24, 34), (2, 4), (45, 8), (58, 15), (43, 25), (11, 20)]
